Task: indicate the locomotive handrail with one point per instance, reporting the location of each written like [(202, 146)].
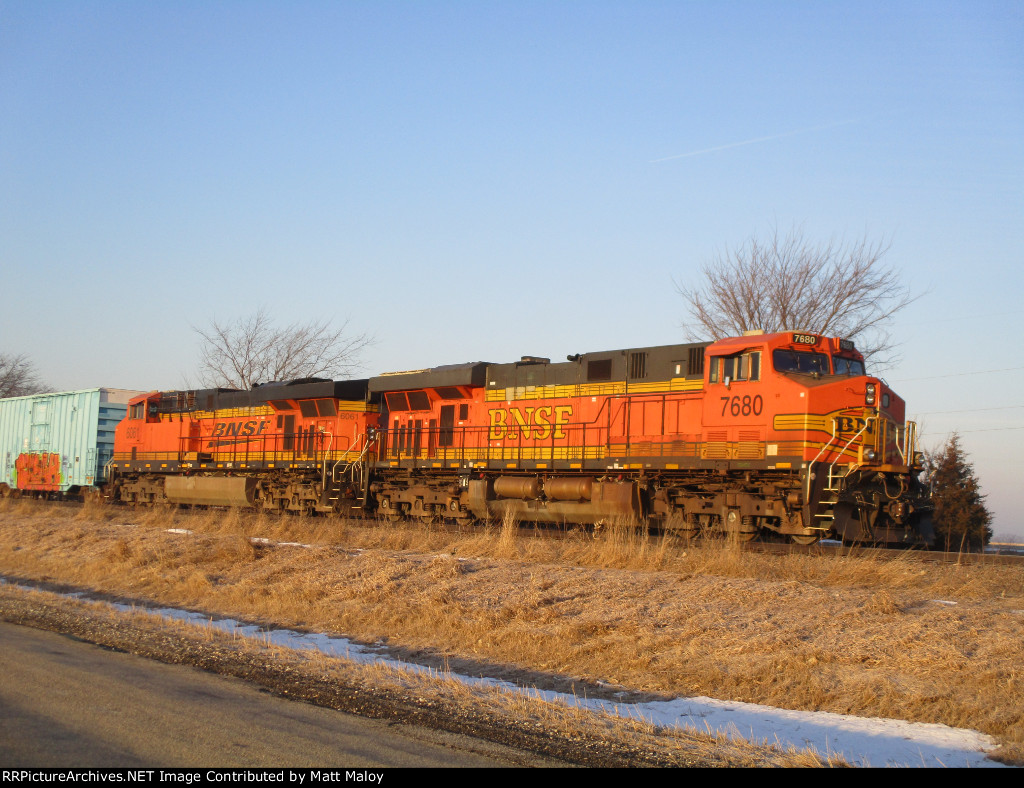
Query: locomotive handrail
[(574, 443), (106, 469), (909, 442), (327, 454), (810, 466), (349, 464), (847, 446), (825, 448)]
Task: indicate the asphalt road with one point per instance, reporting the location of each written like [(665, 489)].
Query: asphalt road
[(66, 703)]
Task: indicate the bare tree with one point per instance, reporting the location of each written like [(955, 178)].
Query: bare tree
[(18, 377), (253, 350), (781, 283)]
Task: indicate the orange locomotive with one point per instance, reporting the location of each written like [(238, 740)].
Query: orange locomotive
[(299, 446), (779, 433)]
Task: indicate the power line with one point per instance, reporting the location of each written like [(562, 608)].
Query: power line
[(960, 374), (911, 323), (966, 432), (965, 410)]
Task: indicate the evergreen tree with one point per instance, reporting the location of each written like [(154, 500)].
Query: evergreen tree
[(962, 521)]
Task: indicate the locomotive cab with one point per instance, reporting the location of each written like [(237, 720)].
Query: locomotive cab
[(859, 459), (831, 440), (865, 417)]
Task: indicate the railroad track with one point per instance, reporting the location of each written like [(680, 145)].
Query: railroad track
[(925, 556)]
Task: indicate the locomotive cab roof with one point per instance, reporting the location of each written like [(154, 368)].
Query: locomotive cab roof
[(807, 340)]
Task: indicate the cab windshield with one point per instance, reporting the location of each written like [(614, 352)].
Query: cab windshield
[(848, 366), (800, 361)]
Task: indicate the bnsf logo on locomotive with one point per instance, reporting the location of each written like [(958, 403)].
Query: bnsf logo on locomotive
[(854, 424), (536, 423), (239, 428)]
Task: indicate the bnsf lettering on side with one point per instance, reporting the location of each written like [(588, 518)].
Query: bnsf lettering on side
[(239, 428), (538, 423)]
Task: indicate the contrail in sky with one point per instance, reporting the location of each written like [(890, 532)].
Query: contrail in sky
[(755, 140)]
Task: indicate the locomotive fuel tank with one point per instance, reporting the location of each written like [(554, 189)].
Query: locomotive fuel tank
[(211, 490)]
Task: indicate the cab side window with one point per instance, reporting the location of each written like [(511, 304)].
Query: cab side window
[(743, 366), (847, 366)]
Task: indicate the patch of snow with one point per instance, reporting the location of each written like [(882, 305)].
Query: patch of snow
[(863, 741), (263, 540)]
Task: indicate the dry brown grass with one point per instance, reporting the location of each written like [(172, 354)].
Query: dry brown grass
[(633, 740), (852, 634)]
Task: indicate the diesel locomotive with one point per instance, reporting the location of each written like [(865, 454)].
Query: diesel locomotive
[(779, 433)]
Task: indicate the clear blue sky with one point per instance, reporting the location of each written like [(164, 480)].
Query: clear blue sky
[(486, 180)]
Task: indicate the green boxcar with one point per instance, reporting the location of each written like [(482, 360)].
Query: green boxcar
[(59, 442)]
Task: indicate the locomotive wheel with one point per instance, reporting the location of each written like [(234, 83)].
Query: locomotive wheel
[(804, 539), (465, 519), (678, 525), (392, 518)]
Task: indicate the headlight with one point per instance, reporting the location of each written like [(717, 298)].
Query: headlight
[(870, 455), (869, 396)]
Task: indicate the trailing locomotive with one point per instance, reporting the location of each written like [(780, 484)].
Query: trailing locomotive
[(780, 433)]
